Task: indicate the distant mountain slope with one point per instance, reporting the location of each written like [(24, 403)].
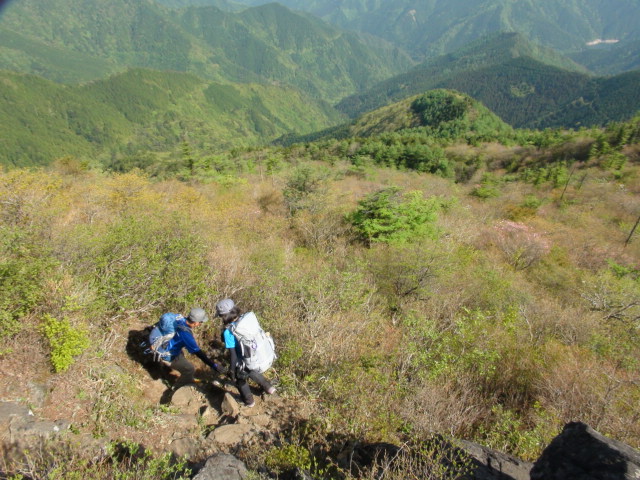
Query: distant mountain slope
[(605, 100), (228, 5), (439, 113), (435, 27), (488, 51), (263, 44), (526, 86), (277, 44), (144, 109), (526, 93), (608, 59), (22, 54)]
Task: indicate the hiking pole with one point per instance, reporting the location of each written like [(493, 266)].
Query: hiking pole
[(631, 233)]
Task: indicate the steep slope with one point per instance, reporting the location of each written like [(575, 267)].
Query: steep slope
[(264, 44), (489, 51), (221, 4), (605, 100), (526, 85), (277, 44), (608, 59), (145, 109), (526, 93), (438, 114), (440, 26)]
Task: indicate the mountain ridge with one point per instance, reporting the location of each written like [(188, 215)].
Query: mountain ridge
[(526, 85), (215, 44), (143, 109)]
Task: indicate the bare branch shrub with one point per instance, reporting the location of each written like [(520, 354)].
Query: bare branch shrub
[(521, 245)]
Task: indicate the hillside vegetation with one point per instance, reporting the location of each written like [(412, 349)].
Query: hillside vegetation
[(433, 28), (437, 277), (113, 120), (268, 44), (526, 85)]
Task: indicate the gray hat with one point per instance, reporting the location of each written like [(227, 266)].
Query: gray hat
[(224, 306), (197, 315)]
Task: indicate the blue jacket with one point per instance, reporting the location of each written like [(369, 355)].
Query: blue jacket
[(183, 339)]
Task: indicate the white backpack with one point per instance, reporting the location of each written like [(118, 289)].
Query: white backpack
[(258, 348)]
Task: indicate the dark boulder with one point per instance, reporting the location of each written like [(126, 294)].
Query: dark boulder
[(488, 464), (222, 466), (581, 453)]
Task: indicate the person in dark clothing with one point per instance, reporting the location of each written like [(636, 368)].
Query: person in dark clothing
[(184, 338), (229, 313)]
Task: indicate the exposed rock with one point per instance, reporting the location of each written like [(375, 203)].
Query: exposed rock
[(19, 426), (210, 415), (263, 420), (39, 393), (185, 422), (230, 434), (492, 465), (222, 467), (189, 399), (153, 390), (21, 432), (581, 453), (12, 412), (229, 406), (185, 447)]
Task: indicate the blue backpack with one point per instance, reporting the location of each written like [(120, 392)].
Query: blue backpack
[(161, 335)]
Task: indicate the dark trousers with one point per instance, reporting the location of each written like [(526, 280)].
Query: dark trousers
[(185, 368), (244, 388)]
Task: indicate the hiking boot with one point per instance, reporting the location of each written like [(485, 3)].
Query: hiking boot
[(271, 390), (250, 405)]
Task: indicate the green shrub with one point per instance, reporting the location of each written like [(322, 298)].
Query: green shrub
[(124, 461), (289, 457), (387, 216), (148, 261), (509, 432), (65, 340), (24, 264)]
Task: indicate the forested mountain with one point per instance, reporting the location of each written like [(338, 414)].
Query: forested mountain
[(439, 26), (526, 85), (608, 59), (263, 44), (526, 93), (436, 115), (221, 4), (145, 110), (486, 52)]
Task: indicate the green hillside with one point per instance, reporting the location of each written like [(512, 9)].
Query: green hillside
[(526, 93), (610, 59), (145, 110), (415, 133), (525, 85), (437, 113), (221, 4), (282, 46), (264, 44), (421, 287), (432, 28), (600, 103), (491, 50)]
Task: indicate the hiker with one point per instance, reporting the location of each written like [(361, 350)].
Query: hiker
[(183, 338), (242, 366)]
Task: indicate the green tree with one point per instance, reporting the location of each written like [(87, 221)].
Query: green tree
[(390, 217)]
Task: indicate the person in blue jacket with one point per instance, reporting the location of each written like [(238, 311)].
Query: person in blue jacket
[(228, 311), (184, 339)]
